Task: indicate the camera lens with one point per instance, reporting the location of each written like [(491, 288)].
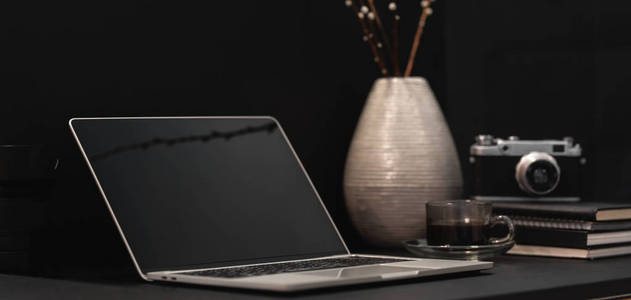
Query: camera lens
[(542, 176), (537, 173)]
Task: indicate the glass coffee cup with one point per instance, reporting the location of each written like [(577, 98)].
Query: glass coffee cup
[(464, 223)]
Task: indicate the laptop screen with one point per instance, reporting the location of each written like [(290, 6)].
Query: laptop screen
[(206, 192)]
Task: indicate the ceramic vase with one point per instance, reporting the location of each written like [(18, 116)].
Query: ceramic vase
[(402, 155)]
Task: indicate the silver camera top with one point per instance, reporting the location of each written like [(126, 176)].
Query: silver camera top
[(487, 145)]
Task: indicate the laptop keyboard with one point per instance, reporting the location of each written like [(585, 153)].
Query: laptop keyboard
[(298, 266)]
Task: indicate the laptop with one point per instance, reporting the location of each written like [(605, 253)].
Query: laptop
[(225, 201)]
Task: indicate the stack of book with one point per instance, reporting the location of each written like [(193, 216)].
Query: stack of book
[(575, 230)]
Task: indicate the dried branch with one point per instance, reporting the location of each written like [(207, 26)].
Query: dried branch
[(427, 10), (373, 31), (384, 35), (369, 36), (392, 7), (370, 17)]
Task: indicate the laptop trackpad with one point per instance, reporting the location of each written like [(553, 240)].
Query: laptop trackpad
[(368, 271)]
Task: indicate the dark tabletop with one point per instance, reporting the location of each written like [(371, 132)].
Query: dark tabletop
[(518, 277)]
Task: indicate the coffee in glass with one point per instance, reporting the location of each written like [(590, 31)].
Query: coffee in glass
[(464, 222)]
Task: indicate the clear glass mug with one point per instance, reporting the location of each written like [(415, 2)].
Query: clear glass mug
[(464, 222)]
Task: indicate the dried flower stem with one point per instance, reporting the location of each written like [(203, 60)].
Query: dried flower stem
[(393, 8), (376, 39), (384, 35), (370, 20), (417, 37), (369, 37)]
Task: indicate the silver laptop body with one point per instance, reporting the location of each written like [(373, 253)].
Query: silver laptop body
[(216, 195)]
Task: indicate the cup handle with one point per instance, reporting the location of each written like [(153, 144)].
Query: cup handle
[(511, 229)]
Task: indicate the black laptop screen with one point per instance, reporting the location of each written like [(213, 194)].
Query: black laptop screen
[(204, 192)]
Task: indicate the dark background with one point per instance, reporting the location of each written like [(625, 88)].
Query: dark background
[(536, 69)]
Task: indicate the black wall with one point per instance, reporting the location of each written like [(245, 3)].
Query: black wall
[(537, 69), (545, 69)]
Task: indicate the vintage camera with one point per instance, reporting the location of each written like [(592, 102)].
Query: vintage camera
[(513, 169)]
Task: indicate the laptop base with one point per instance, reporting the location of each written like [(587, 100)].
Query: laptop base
[(305, 280)]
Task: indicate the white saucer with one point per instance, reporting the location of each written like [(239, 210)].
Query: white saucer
[(470, 252)]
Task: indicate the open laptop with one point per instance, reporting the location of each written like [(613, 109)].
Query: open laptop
[(225, 201)]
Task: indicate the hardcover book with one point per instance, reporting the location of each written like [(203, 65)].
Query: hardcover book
[(591, 253), (555, 223), (587, 211), (569, 238)]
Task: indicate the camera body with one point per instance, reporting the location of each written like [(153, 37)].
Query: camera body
[(526, 170)]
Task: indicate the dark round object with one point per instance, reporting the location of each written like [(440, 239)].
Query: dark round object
[(542, 176), (537, 173)]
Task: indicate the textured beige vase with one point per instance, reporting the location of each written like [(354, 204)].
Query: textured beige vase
[(401, 156)]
